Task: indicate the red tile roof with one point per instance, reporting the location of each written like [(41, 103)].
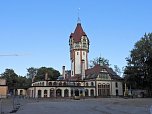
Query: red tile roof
[(78, 33)]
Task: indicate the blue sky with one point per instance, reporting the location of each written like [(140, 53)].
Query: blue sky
[(38, 30)]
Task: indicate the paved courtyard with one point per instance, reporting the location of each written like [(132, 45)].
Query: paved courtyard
[(87, 106), (83, 106)]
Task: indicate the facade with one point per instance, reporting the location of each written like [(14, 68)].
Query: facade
[(3, 88), (99, 81)]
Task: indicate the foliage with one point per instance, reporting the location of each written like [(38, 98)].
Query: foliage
[(31, 72), (117, 70), (138, 71), (52, 73), (15, 81), (97, 60)]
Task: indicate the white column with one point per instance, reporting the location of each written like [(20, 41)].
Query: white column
[(69, 92), (62, 92)]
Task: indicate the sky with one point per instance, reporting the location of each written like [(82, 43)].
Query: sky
[(38, 30)]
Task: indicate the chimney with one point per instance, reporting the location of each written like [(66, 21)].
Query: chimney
[(83, 69), (46, 76), (63, 72)]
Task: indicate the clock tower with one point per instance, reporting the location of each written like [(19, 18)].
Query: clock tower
[(79, 48)]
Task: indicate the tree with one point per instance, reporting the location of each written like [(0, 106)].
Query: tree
[(11, 78), (52, 74), (117, 70), (97, 60), (31, 72), (14, 81), (138, 71)]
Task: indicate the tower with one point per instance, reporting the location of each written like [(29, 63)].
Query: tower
[(79, 49)]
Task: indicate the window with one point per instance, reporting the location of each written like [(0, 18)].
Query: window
[(117, 93), (92, 84), (77, 53), (87, 84), (116, 84)]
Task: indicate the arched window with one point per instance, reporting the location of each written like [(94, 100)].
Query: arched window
[(78, 84), (58, 93), (54, 84), (116, 84), (45, 93), (86, 92), (92, 92), (64, 84), (86, 83), (21, 92), (50, 83), (66, 93), (92, 84), (99, 89), (52, 92), (60, 83), (39, 93)]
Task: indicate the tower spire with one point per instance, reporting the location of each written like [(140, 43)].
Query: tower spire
[(78, 21)]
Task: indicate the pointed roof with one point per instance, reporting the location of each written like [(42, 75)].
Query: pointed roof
[(78, 33)]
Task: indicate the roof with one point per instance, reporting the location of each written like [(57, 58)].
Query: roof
[(78, 33), (96, 70)]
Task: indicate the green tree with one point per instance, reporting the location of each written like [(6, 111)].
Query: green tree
[(11, 78), (97, 60), (117, 70), (14, 81), (138, 71), (52, 74), (31, 72)]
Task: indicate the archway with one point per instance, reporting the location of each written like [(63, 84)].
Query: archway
[(45, 93), (77, 92), (86, 92), (58, 93), (51, 92), (92, 92), (66, 93), (39, 93)]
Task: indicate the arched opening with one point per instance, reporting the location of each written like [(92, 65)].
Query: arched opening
[(54, 84), (51, 92), (117, 92), (87, 84), (21, 92), (50, 83), (108, 90), (92, 92), (58, 93), (99, 90), (45, 93), (66, 93), (92, 84), (86, 92), (39, 93), (60, 83), (72, 93), (76, 92), (64, 84)]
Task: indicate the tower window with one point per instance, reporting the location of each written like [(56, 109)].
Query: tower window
[(83, 53), (116, 84), (77, 53)]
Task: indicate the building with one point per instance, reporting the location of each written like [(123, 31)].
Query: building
[(99, 81), (3, 88)]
